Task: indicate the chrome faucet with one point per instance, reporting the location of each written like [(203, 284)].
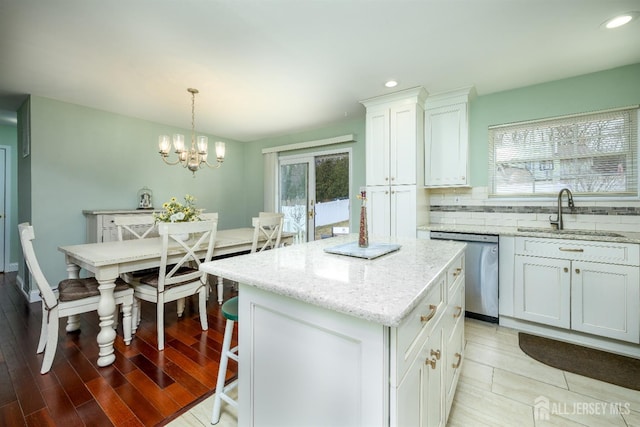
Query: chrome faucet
[(558, 221)]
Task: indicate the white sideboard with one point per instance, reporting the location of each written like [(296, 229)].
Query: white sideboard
[(100, 226)]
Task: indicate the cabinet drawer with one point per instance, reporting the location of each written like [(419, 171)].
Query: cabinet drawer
[(581, 250), (455, 306), (416, 328), (455, 274)]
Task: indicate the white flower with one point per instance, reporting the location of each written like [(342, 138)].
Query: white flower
[(178, 216)]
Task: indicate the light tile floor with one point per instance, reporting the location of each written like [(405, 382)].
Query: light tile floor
[(501, 386)]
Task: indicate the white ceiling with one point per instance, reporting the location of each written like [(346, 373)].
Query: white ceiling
[(270, 67)]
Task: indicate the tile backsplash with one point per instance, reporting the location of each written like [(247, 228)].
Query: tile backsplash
[(472, 206)]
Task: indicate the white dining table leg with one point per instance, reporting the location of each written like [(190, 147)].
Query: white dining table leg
[(73, 321), (106, 311), (220, 289)]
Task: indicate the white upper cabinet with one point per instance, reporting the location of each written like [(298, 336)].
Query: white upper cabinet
[(394, 127), (447, 139)]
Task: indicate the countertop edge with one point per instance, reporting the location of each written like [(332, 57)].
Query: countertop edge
[(392, 318), (625, 236)]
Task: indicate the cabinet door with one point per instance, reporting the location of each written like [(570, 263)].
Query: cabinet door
[(403, 211), (408, 397), (446, 146), (453, 326), (433, 393), (542, 290), (377, 147), (604, 300), (420, 395), (403, 145), (379, 210)]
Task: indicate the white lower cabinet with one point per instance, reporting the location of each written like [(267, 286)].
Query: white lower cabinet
[(391, 210), (543, 290), (419, 396), (425, 389), (455, 344), (557, 283), (605, 300)]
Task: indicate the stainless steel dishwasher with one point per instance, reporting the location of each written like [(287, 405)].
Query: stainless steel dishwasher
[(481, 273)]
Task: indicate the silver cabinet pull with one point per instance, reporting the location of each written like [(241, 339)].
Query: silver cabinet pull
[(571, 249)]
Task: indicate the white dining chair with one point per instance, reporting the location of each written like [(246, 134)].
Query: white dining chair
[(74, 296), (135, 226), (179, 275), (267, 232), (131, 227)]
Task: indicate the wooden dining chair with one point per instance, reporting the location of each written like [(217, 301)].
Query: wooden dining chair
[(179, 275), (75, 296)]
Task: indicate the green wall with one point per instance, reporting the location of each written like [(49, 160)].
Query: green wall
[(591, 92), (82, 158)]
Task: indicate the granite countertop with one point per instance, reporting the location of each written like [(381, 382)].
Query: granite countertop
[(382, 290), (600, 235)]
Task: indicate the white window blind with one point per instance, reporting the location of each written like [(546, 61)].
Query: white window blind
[(591, 154)]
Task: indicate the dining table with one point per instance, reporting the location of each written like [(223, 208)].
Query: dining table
[(109, 260)]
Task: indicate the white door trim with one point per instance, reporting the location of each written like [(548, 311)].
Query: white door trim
[(7, 209)]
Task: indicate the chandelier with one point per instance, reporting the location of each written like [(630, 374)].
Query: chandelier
[(195, 157)]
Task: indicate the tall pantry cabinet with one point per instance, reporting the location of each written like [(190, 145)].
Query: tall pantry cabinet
[(394, 161)]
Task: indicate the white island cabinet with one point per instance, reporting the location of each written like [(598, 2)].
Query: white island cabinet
[(328, 340)]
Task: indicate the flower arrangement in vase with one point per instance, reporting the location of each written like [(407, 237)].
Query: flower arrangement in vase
[(174, 211)]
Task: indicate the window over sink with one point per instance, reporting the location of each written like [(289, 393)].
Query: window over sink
[(593, 154)]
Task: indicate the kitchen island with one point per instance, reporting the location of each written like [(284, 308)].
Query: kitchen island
[(330, 339)]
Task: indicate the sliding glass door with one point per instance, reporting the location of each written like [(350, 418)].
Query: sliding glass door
[(295, 178), (314, 194)]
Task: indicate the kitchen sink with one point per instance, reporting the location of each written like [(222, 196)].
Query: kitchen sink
[(569, 232)]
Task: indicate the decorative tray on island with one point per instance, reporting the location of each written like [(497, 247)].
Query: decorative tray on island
[(374, 250)]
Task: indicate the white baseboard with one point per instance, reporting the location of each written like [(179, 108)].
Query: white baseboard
[(32, 296), (13, 266)]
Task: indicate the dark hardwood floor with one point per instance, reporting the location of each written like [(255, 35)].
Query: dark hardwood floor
[(143, 386)]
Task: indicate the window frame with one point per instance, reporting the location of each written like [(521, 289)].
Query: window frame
[(524, 156)]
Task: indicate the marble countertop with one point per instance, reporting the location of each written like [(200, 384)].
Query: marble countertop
[(382, 290), (622, 236)]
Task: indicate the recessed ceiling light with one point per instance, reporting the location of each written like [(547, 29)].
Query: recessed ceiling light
[(620, 20), (391, 83)]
